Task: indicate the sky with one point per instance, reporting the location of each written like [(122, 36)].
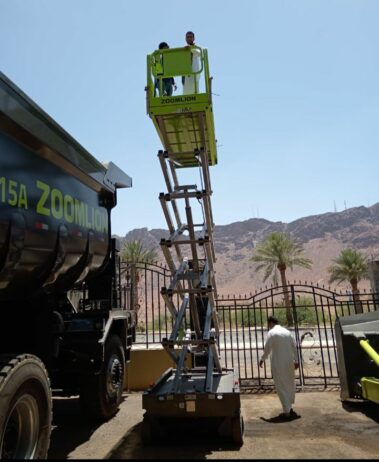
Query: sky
[(296, 96)]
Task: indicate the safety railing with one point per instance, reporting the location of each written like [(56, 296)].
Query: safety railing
[(186, 66)]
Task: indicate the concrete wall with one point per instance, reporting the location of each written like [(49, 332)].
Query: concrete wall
[(146, 366)]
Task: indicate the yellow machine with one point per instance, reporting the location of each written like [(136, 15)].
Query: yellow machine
[(357, 339), (370, 385)]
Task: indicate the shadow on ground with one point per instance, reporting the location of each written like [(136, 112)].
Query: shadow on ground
[(280, 419), (176, 445), (71, 427), (368, 408)]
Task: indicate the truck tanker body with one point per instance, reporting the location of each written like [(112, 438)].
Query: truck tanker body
[(64, 325)]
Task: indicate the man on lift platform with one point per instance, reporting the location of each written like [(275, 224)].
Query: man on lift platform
[(184, 122), (168, 84), (191, 82)]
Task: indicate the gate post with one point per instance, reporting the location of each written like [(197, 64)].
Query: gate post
[(297, 334), (373, 269), (127, 289), (132, 278)]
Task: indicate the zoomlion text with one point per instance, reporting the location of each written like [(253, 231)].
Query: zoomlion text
[(52, 202)]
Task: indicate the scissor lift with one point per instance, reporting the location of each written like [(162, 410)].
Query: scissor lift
[(198, 392)]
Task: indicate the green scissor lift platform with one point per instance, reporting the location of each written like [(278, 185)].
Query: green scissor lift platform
[(198, 393), (184, 122)]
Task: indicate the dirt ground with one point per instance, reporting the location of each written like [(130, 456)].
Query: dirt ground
[(327, 429)]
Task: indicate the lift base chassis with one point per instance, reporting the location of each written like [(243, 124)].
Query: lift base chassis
[(217, 411)]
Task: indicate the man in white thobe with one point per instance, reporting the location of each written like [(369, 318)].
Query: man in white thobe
[(188, 81), (284, 361)]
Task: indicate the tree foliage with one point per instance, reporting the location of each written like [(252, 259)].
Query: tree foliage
[(279, 251), (135, 252), (276, 253), (350, 266)]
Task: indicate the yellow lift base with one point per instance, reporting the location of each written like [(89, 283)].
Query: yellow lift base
[(370, 385), (184, 121), (357, 341), (370, 388)]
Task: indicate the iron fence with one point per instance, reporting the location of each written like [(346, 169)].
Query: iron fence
[(243, 324), (314, 310)]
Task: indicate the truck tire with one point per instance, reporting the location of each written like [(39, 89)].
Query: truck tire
[(25, 408), (146, 432), (238, 429), (101, 394)]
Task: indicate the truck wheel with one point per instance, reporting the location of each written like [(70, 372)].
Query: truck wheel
[(101, 394), (146, 432), (25, 408), (238, 428)]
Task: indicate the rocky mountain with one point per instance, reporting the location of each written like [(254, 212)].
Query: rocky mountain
[(323, 237)]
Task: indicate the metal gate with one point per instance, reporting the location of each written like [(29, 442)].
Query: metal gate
[(243, 324), (314, 311)]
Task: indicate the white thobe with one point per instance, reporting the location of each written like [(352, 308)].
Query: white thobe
[(189, 80), (282, 347)]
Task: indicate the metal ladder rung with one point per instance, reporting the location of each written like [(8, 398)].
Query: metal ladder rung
[(170, 292), (183, 195)]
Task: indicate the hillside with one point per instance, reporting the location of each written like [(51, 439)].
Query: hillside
[(323, 236)]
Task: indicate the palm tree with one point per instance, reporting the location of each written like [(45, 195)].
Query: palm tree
[(135, 252), (137, 256), (280, 251), (350, 266)]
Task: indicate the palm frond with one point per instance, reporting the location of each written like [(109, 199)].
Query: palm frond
[(349, 265), (279, 250), (135, 252)]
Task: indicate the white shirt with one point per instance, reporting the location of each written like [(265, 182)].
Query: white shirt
[(282, 347)]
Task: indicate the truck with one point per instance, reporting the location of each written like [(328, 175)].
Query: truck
[(65, 325)]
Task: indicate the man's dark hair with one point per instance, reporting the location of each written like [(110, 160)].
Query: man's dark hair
[(163, 45), (272, 320), (190, 32)]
